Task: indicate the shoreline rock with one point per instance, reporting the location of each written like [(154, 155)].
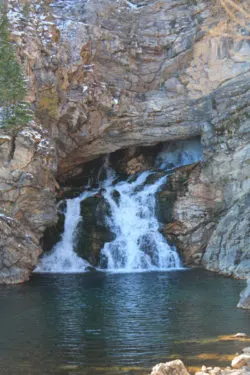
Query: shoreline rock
[(240, 365)]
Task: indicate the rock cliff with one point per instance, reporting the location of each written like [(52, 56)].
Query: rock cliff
[(106, 75), (27, 195)]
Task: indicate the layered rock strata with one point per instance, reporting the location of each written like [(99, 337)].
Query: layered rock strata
[(27, 195), (106, 75)]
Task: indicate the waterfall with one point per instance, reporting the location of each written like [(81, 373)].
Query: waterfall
[(176, 154), (63, 259), (138, 244)]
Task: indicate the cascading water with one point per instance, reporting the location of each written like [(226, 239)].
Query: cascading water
[(138, 243), (63, 259)]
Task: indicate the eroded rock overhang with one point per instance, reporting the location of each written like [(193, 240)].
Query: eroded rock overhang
[(110, 76)]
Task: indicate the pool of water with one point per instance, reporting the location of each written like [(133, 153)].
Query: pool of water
[(105, 324)]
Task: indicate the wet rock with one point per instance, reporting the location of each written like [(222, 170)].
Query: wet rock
[(53, 234), (187, 208), (93, 231), (170, 368), (116, 196)]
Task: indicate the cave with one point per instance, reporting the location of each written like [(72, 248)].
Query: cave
[(94, 231)]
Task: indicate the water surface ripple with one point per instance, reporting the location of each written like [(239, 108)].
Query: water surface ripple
[(100, 323)]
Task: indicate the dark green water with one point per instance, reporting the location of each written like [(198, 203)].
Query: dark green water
[(117, 323)]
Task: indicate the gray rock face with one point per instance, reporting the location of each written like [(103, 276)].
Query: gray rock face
[(244, 302), (117, 75), (105, 75), (210, 217), (19, 251), (228, 248)]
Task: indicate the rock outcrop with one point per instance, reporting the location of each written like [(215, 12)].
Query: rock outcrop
[(244, 302), (27, 195), (106, 75), (93, 229)]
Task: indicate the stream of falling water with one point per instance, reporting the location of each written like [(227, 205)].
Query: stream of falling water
[(138, 244)]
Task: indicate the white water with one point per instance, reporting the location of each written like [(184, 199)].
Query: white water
[(176, 154), (138, 246), (62, 258)]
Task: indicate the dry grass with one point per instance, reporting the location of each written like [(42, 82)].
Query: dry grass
[(237, 16)]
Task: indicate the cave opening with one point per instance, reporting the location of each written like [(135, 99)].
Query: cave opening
[(99, 224)]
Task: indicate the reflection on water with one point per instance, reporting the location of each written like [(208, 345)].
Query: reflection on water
[(118, 323)]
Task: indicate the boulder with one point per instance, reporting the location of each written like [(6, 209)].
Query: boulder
[(241, 361), (170, 368)]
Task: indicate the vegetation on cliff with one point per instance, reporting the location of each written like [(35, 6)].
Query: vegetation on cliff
[(14, 111)]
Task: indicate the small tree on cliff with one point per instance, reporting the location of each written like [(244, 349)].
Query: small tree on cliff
[(14, 111)]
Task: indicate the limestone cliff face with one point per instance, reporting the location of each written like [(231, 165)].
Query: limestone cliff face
[(105, 75), (210, 209), (27, 195)]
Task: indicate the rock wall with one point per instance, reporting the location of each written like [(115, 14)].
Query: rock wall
[(244, 301), (27, 195), (105, 75), (210, 215)]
